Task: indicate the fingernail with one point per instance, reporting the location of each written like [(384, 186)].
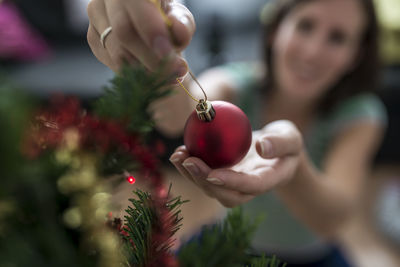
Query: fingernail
[(180, 66), (192, 169), (183, 18), (266, 148), (182, 71), (187, 22), (162, 46), (179, 80), (174, 159), (215, 181)]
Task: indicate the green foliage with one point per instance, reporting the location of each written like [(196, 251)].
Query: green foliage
[(140, 224), (223, 244), (31, 232), (115, 161), (130, 95), (264, 261), (15, 108)]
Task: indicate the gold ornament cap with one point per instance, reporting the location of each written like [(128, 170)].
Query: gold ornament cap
[(205, 110)]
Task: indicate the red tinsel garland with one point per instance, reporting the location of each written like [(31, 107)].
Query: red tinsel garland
[(65, 113)]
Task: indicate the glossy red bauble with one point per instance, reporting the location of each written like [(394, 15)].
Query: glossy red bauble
[(222, 142)]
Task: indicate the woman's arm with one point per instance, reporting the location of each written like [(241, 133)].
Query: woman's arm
[(324, 200)]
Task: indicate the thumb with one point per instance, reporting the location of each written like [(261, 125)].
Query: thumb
[(279, 139)]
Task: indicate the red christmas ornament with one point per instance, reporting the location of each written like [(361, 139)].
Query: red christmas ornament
[(218, 132)]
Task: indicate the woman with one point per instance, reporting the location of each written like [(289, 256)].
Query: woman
[(319, 126)]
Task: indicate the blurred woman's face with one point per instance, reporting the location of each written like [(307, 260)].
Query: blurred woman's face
[(315, 45)]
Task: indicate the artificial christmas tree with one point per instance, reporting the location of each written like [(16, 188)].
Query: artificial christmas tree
[(57, 165)]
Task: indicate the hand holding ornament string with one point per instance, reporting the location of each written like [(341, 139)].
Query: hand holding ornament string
[(119, 32)]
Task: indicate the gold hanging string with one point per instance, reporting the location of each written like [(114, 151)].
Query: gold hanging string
[(187, 91), (168, 22)]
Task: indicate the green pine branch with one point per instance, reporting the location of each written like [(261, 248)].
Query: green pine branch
[(221, 244), (225, 244), (143, 217), (265, 261), (129, 96), (15, 110)]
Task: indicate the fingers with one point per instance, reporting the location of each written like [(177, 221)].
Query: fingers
[(177, 158), (100, 53), (96, 11), (258, 179), (279, 139), (246, 183), (183, 25), (140, 33), (190, 169), (98, 23), (125, 40), (150, 25), (213, 186), (196, 170), (157, 36)]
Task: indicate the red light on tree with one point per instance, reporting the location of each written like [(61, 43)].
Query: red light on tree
[(131, 179)]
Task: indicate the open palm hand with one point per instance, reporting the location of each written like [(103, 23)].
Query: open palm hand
[(271, 161)]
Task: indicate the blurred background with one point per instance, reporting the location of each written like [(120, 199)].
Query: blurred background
[(43, 49)]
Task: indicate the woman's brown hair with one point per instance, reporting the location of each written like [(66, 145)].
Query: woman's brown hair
[(364, 76)]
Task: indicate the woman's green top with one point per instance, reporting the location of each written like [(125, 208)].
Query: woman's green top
[(280, 232)]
